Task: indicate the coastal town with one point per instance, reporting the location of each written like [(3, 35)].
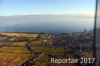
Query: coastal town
[(36, 49)]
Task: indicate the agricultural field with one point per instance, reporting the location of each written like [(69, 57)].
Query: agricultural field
[(19, 34), (11, 56), (19, 49)]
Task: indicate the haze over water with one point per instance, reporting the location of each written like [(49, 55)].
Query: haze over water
[(53, 24), (57, 16)]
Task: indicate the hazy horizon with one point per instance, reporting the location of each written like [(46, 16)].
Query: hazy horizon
[(47, 15), (53, 24)]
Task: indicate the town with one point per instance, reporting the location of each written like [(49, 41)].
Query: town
[(36, 49)]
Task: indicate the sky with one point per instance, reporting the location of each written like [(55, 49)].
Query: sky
[(41, 7)]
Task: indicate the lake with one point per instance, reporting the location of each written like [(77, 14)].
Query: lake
[(45, 24)]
